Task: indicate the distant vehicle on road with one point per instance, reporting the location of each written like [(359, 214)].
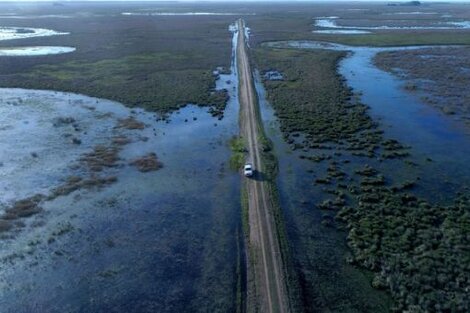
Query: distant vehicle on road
[(248, 170)]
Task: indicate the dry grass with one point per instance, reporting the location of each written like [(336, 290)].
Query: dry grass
[(147, 163), (121, 140), (23, 208), (5, 226), (101, 157), (130, 123), (74, 183)]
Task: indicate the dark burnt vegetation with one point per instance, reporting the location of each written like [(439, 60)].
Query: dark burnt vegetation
[(417, 250)]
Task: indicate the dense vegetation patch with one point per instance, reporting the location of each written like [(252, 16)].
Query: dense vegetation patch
[(313, 100), (417, 250), (146, 80)]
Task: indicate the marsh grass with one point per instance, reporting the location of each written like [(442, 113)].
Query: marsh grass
[(74, 183), (24, 208), (147, 163), (12, 218), (101, 157), (440, 73), (160, 64), (239, 151), (130, 123), (412, 247)]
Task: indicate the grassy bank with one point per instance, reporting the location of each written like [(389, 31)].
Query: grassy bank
[(415, 249), (238, 147)]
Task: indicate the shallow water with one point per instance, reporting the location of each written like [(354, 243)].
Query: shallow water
[(181, 13), (164, 241), (429, 132), (35, 51), (330, 22), (411, 13), (403, 116), (16, 16), (319, 251), (342, 31), (7, 33), (31, 125)]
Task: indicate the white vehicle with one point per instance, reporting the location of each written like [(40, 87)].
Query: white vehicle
[(248, 170)]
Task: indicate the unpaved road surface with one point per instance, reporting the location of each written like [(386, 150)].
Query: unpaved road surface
[(263, 247)]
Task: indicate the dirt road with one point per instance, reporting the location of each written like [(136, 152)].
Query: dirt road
[(264, 247)]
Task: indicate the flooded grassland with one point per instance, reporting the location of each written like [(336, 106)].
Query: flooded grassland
[(103, 209), (440, 76), (364, 24), (377, 170), (160, 63), (18, 33), (106, 208), (109, 208)]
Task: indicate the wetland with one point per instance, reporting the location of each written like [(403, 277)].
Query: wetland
[(354, 137), (121, 153)]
